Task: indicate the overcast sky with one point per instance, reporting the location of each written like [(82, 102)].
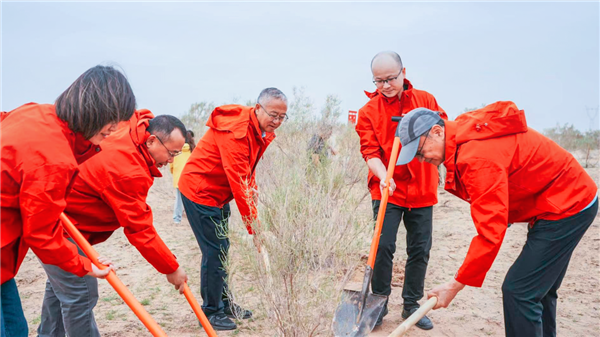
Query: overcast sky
[(543, 56)]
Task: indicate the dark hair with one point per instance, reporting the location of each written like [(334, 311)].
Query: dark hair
[(189, 138), (390, 53), (99, 97), (164, 125), (440, 122)]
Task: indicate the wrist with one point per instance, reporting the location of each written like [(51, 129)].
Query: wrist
[(456, 285)]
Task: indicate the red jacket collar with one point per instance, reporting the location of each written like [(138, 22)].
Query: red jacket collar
[(269, 136), (450, 154), (138, 125), (82, 148)]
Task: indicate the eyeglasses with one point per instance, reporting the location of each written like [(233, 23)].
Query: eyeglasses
[(275, 117), (419, 154), (381, 83), (172, 154)]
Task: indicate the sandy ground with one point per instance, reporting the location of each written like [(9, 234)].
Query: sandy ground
[(475, 312)]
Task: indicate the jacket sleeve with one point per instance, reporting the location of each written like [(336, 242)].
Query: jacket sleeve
[(433, 105), (369, 146), (42, 199), (486, 183), (235, 154), (127, 198)]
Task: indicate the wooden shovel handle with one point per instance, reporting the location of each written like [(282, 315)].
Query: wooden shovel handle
[(414, 318), (112, 278)]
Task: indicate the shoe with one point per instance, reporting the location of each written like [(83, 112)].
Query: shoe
[(245, 314), (220, 321), (424, 323), (380, 318)]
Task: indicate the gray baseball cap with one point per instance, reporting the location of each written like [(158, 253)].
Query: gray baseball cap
[(412, 126)]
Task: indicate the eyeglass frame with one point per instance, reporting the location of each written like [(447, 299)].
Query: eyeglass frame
[(276, 117), (383, 82), (172, 154), (419, 154)]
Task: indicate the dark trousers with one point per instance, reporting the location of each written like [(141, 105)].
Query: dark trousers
[(211, 228), (13, 320), (529, 291), (418, 224)]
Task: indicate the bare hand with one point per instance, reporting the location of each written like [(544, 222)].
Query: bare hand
[(445, 293), (102, 273), (392, 186), (178, 278), (256, 241)]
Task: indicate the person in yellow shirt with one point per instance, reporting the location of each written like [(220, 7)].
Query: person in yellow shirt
[(176, 168)]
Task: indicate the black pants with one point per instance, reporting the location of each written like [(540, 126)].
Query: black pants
[(418, 224), (529, 289), (211, 228)]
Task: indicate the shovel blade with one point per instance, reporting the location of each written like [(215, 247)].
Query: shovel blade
[(346, 321)]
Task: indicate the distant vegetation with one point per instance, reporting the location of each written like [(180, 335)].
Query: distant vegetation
[(584, 145)]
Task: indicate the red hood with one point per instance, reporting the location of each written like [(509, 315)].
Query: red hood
[(235, 119), (495, 120), (138, 125)]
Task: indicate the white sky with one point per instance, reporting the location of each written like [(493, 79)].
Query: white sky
[(544, 56)]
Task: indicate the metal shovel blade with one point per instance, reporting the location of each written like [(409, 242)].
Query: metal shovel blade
[(346, 321)]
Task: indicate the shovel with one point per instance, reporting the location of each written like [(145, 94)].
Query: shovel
[(126, 295), (112, 278), (358, 311)]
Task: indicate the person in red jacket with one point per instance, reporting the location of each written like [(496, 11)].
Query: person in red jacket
[(413, 188), (509, 173), (222, 168), (42, 146), (109, 193)]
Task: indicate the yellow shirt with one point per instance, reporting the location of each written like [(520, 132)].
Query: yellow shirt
[(179, 162)]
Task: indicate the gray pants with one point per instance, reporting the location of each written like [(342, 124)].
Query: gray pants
[(68, 304)]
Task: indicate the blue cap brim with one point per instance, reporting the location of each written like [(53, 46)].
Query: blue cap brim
[(408, 152)]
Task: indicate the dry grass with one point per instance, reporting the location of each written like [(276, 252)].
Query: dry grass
[(313, 228)]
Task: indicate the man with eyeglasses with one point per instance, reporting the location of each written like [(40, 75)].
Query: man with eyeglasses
[(221, 169), (413, 188), (109, 193)]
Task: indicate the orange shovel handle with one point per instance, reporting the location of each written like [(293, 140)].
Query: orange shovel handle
[(112, 278), (383, 204), (199, 313)]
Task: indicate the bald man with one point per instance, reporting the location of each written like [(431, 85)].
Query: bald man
[(413, 188)]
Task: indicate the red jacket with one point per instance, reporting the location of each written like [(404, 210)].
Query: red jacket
[(508, 173), (40, 156), (111, 189), (416, 182), (223, 163)]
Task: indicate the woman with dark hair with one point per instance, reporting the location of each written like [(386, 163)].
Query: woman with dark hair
[(41, 148), (176, 168)]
